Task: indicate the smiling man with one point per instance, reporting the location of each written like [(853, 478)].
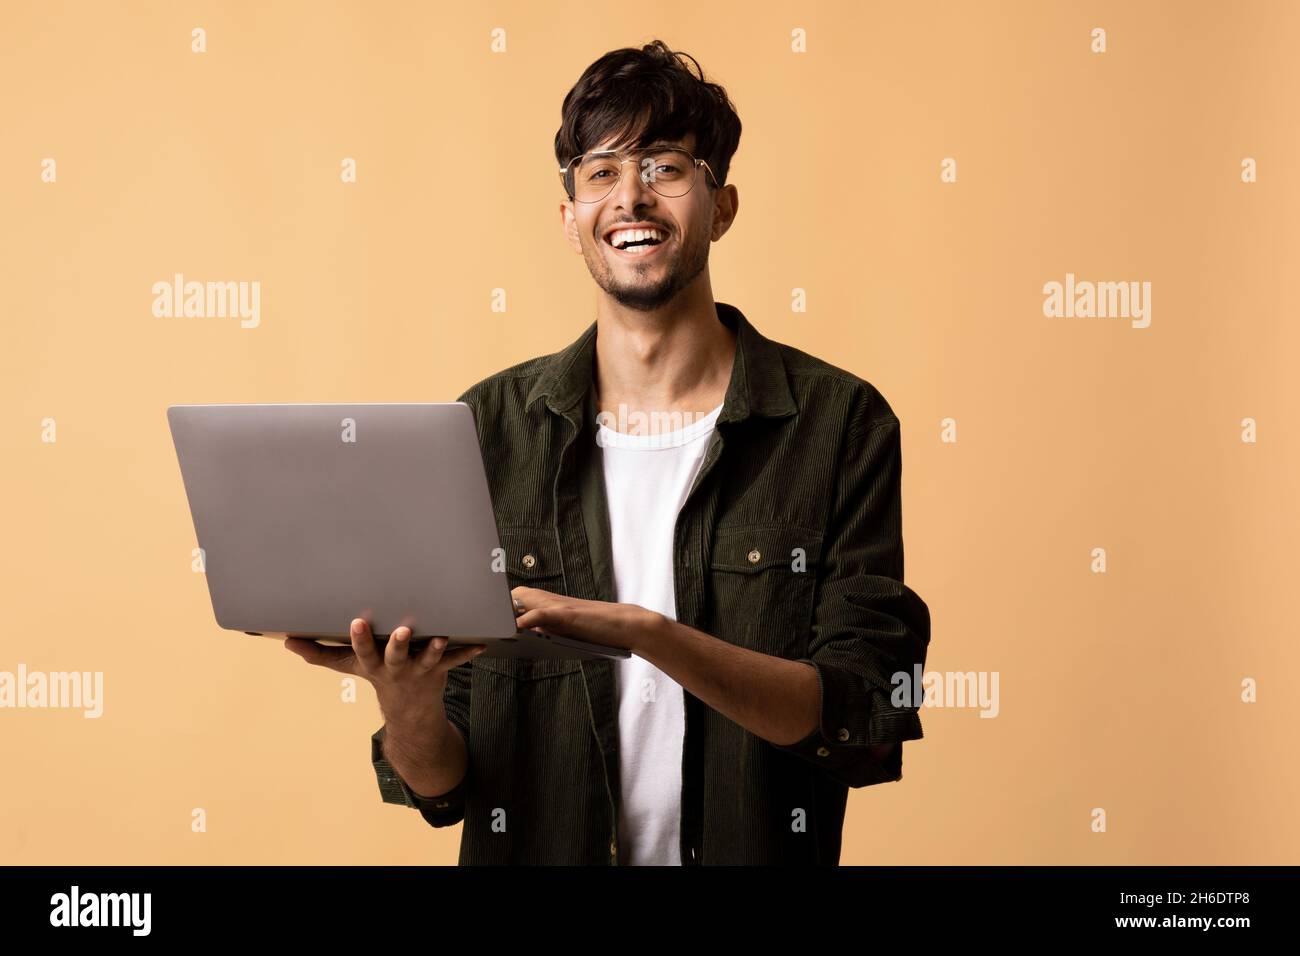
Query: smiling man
[(675, 483)]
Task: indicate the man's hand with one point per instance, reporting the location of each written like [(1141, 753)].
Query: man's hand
[(628, 626), (421, 744), (409, 683)]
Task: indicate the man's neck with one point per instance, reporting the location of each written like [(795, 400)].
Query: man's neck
[(674, 360)]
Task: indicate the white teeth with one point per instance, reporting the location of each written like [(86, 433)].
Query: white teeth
[(633, 235), (639, 250)]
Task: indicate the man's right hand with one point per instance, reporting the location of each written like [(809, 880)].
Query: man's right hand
[(409, 683)]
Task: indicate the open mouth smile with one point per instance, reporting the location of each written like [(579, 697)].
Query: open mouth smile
[(636, 242)]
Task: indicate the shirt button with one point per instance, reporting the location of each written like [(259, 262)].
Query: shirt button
[(755, 556), (844, 733), (613, 850), (442, 804), (823, 752), (529, 560)]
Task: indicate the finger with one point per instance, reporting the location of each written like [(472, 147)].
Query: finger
[(449, 657), (398, 651), (535, 617), (363, 644), (340, 659), (459, 655), (428, 658), (531, 597)]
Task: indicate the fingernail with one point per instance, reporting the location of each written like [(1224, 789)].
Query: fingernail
[(401, 633), (356, 627), (479, 651)]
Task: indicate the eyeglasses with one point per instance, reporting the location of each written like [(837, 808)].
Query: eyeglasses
[(669, 170)]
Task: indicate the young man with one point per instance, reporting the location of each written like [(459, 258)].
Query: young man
[(724, 506)]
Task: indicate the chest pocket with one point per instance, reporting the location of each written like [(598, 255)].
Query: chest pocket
[(763, 579), (532, 559)]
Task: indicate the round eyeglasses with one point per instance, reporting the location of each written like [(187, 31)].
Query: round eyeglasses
[(668, 170)]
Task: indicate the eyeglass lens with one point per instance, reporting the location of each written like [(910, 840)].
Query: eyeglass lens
[(669, 172)]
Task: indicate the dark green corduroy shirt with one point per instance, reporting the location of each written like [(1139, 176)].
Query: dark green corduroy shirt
[(789, 543)]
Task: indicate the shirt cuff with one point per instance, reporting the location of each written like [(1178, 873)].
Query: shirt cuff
[(854, 719), (440, 811)]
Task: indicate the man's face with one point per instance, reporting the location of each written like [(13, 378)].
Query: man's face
[(651, 277)]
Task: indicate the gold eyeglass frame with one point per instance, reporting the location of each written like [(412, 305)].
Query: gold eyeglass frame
[(564, 170)]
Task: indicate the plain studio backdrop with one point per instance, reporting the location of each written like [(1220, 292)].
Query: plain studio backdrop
[(1118, 691)]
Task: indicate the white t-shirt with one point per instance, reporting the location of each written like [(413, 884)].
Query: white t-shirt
[(647, 479)]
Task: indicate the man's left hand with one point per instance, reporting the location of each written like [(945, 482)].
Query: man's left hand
[(628, 626)]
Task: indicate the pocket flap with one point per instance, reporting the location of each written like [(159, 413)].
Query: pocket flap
[(531, 554), (754, 548)]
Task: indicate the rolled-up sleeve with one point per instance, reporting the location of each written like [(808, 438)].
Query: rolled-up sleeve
[(868, 626), (444, 809)]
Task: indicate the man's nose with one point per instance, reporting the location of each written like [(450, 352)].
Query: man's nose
[(631, 190)]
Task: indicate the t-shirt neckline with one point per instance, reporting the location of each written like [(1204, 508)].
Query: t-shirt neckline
[(609, 438)]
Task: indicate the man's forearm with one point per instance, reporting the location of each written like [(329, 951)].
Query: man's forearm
[(427, 752), (772, 697)]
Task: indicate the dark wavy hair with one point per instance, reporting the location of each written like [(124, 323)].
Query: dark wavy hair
[(646, 96)]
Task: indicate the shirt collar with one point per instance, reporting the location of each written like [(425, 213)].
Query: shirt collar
[(758, 383)]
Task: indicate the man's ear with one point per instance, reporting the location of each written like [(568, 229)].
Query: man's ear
[(569, 225), (726, 203)]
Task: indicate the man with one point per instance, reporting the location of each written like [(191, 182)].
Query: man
[(725, 507)]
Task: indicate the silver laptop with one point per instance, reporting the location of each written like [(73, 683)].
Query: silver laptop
[(310, 515)]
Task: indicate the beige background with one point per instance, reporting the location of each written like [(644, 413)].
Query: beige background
[(1119, 690)]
